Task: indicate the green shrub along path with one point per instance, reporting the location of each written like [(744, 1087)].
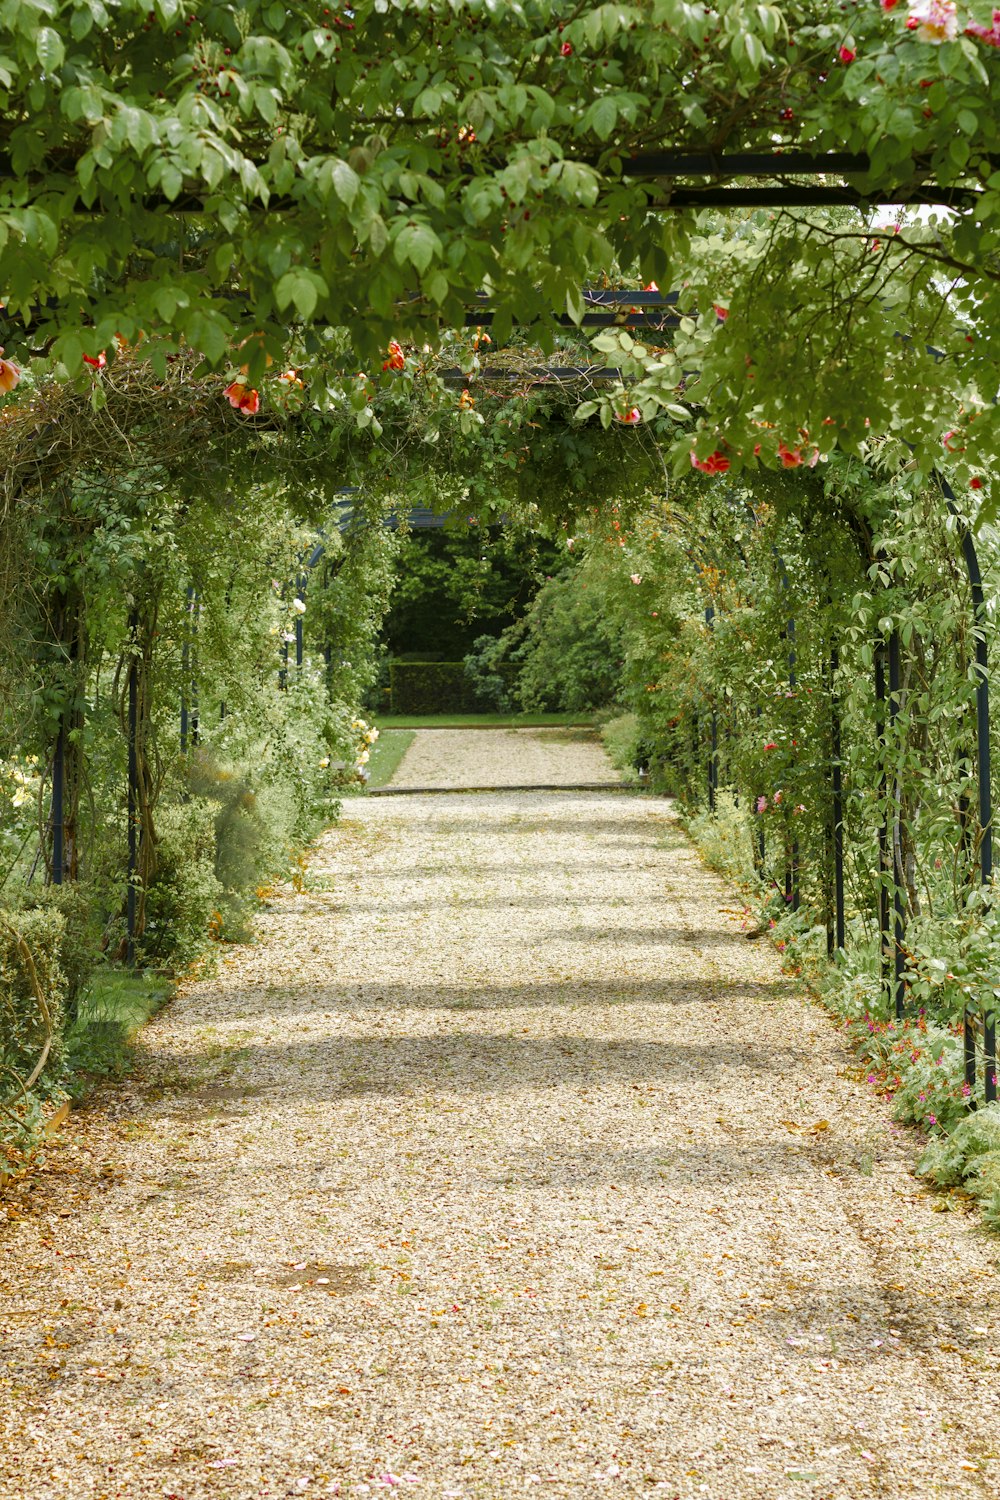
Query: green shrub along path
[(503, 1159)]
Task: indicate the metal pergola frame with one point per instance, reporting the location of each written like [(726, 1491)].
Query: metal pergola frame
[(687, 181)]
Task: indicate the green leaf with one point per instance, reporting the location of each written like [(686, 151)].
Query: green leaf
[(575, 305), (300, 287), (345, 181), (602, 117), (49, 48), (171, 181), (416, 243), (378, 235)]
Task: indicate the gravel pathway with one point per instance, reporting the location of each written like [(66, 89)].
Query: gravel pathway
[(504, 757), (503, 1161)]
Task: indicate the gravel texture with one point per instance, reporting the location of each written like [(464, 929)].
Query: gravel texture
[(503, 1161), (504, 757)]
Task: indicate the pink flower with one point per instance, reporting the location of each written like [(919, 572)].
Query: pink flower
[(777, 799), (934, 21), (715, 463), (243, 398), (10, 375), (847, 54), (761, 804), (932, 1119), (630, 417), (635, 577), (988, 35)]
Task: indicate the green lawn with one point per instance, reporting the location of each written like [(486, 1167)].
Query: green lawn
[(481, 721), (386, 753)]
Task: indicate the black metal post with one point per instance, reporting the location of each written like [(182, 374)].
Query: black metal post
[(899, 915), (133, 796), (713, 750), (837, 809), (186, 669), (984, 772), (58, 805), (299, 642), (792, 874), (195, 618), (883, 832)]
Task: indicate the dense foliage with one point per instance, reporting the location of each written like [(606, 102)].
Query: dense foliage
[(235, 243), (321, 183)]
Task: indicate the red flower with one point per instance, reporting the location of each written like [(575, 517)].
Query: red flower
[(630, 417), (566, 49), (990, 35), (722, 313), (790, 457), (10, 375), (976, 483), (397, 359), (99, 363), (715, 463), (847, 54), (889, 4), (243, 398), (772, 745)]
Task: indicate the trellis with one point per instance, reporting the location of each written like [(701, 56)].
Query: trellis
[(650, 309)]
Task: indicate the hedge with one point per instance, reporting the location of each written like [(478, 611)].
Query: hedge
[(430, 687)]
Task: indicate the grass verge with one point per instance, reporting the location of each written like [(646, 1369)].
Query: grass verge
[(112, 1009), (914, 1064), (483, 721), (386, 754)]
